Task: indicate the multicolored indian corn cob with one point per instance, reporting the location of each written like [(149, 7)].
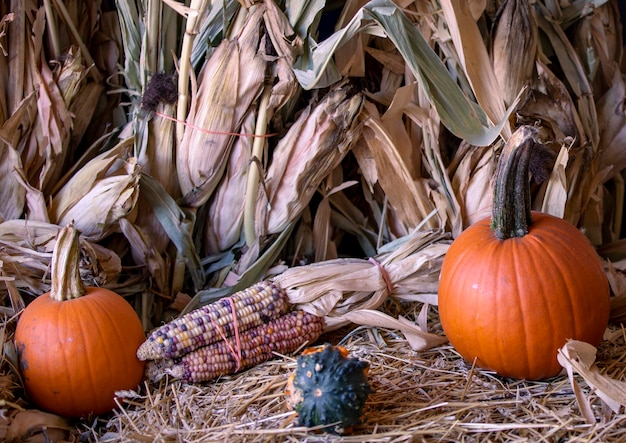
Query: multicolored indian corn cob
[(283, 335), (253, 306)]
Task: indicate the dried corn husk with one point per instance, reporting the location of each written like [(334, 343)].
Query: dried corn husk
[(515, 42), (5, 19), (599, 42), (409, 197), (612, 120), (226, 208), (217, 110), (157, 160), (99, 194), (345, 291), (26, 251), (12, 194), (472, 169), (382, 17), (317, 142), (472, 54)]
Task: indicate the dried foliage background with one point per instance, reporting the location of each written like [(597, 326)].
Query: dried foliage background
[(337, 147)]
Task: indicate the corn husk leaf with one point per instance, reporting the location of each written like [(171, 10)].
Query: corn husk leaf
[(316, 143), (345, 291), (579, 357), (12, 194), (613, 126), (145, 254), (515, 43), (114, 197), (474, 58), (574, 76), (213, 23), (463, 117), (46, 150), (409, 196), (226, 208), (472, 170), (84, 179), (598, 40), (555, 196), (259, 265), (176, 223)]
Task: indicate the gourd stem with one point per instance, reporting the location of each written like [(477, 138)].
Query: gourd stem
[(65, 266), (511, 212)]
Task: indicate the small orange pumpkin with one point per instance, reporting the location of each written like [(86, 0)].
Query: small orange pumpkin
[(77, 346), (514, 288)]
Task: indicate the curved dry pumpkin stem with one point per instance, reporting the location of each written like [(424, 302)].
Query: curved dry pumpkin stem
[(65, 266), (511, 212)]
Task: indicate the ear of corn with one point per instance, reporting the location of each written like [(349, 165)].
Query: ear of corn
[(252, 306), (515, 44), (283, 335)]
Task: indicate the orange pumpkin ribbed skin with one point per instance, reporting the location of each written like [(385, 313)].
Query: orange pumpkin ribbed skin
[(511, 304), (74, 354)]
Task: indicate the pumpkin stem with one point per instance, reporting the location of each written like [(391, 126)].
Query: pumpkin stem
[(65, 266), (511, 212)]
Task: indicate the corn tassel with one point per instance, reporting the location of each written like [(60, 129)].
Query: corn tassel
[(253, 306), (283, 335)]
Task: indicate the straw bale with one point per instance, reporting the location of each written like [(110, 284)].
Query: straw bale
[(431, 395)]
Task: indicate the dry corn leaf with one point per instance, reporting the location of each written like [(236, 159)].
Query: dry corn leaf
[(418, 339), (103, 201), (18, 86), (46, 150), (405, 193), (555, 196), (12, 194), (579, 357), (573, 74), (384, 18), (474, 58), (36, 426), (145, 254), (176, 223), (612, 121), (84, 179), (5, 21), (156, 160), (599, 42), (471, 181), (36, 208)]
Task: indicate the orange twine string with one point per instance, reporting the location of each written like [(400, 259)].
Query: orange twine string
[(236, 353), (206, 131), (384, 274)]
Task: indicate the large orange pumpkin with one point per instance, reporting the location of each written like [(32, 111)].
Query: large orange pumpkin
[(514, 288), (77, 346)]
